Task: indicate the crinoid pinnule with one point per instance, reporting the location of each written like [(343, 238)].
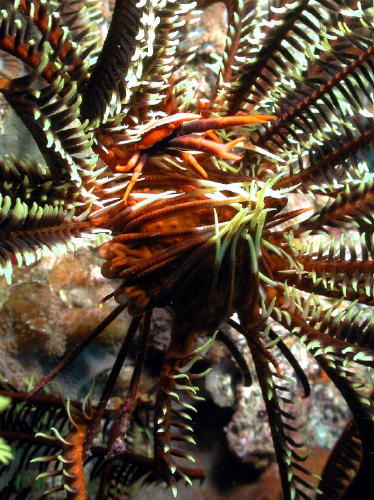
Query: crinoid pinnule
[(249, 204)]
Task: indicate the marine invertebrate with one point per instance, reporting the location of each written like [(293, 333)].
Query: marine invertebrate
[(48, 435), (202, 216)]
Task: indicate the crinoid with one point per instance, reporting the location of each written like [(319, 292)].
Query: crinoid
[(49, 436), (252, 207)]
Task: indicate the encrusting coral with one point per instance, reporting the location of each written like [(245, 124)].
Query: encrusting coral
[(48, 310), (250, 207)]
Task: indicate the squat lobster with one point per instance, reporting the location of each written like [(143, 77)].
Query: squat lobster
[(177, 133)]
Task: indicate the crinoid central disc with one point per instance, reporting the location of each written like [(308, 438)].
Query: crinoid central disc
[(188, 248)]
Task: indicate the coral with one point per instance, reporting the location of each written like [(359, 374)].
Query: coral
[(50, 308)]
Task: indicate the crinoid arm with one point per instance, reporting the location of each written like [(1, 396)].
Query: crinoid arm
[(43, 207), (343, 465), (175, 401), (50, 434), (36, 213)]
